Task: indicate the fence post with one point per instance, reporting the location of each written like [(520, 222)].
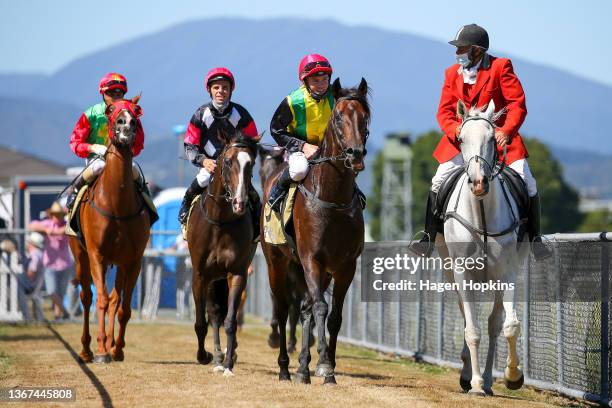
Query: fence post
[(559, 316), (526, 322), (605, 316)]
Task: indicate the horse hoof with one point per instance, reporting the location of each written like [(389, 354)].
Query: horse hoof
[(204, 357), (102, 359), (86, 357), (488, 391), (284, 376), (218, 357), (291, 348), (228, 373), (301, 378), (515, 385), (329, 380), (274, 340), (218, 369), (478, 393), (118, 355), (324, 370), (465, 384)]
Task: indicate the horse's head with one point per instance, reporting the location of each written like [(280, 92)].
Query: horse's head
[(349, 122), (123, 121), (478, 146), (235, 164), (269, 160)]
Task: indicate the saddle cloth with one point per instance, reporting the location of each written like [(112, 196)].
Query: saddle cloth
[(185, 227), (276, 226)]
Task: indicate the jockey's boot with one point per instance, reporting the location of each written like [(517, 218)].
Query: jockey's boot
[(279, 191), (362, 197), (255, 203), (426, 245), (85, 177), (193, 190), (539, 249)]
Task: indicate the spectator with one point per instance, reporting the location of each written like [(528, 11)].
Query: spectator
[(31, 282), (56, 257)]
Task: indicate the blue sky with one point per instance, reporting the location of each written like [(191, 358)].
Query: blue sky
[(42, 36)]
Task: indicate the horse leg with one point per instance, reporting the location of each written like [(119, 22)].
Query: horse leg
[(216, 307), (98, 269), (341, 286), (199, 287), (130, 277), (274, 337), (294, 317), (317, 281), (278, 266), (472, 339), (84, 277), (466, 371), (513, 376), (238, 283), (114, 298), (303, 372), (495, 326)]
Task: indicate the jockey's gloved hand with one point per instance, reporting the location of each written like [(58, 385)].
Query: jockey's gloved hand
[(98, 149)]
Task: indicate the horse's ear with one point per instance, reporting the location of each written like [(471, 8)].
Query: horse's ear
[(136, 98), (222, 135), (490, 109), (336, 88), (109, 109), (363, 88), (461, 109)]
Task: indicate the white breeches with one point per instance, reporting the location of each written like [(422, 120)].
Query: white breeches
[(520, 166), (203, 177), (298, 166)]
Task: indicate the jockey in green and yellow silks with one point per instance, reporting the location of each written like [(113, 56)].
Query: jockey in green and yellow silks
[(300, 120)]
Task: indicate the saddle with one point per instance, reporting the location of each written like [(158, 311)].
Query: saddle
[(278, 228), (510, 180)]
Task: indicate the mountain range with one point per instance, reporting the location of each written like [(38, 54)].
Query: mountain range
[(404, 72)]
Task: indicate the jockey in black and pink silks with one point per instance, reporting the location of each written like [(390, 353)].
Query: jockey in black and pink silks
[(90, 136), (202, 144)]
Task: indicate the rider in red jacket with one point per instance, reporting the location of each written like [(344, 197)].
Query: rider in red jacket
[(476, 79)]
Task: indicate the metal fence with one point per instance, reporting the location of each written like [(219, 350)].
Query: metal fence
[(564, 346)]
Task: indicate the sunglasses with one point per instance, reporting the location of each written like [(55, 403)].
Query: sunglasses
[(312, 65)]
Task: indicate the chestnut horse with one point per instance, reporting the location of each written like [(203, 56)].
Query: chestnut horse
[(115, 226), (329, 232), (220, 238)]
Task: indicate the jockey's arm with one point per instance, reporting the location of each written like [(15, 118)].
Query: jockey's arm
[(447, 110), (193, 151), (279, 128), (514, 95), (78, 139)]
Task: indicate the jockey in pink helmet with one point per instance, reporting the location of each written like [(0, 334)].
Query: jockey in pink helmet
[(202, 145), (90, 137)]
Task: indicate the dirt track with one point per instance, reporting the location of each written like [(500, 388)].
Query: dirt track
[(160, 370)]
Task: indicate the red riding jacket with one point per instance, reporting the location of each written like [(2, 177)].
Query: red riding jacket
[(496, 80)]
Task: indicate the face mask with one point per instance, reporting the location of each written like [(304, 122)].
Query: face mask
[(463, 59)]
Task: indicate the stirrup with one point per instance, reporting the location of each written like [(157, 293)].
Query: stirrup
[(275, 205), (421, 247), (540, 249)]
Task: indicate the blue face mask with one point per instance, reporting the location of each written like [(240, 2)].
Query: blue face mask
[(463, 59)]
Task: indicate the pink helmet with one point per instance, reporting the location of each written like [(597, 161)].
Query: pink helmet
[(312, 64), (113, 80), (218, 73)]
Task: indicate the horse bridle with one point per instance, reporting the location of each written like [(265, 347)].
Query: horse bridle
[(228, 195), (494, 168), (346, 152)]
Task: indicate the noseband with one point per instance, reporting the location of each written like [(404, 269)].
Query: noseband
[(494, 168)]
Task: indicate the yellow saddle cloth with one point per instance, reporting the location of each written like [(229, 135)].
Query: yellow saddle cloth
[(185, 227), (275, 223)]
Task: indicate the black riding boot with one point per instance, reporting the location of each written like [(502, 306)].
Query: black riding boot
[(77, 184), (426, 245), (539, 249), (279, 191), (193, 190), (255, 203)]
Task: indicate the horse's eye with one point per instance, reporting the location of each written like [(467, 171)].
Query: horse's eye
[(121, 121)]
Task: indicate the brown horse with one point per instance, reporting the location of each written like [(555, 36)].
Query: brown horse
[(115, 226), (269, 161), (220, 238), (329, 232)]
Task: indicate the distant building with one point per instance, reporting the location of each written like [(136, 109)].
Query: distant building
[(13, 162)]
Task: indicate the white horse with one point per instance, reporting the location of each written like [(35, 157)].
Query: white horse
[(480, 215)]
